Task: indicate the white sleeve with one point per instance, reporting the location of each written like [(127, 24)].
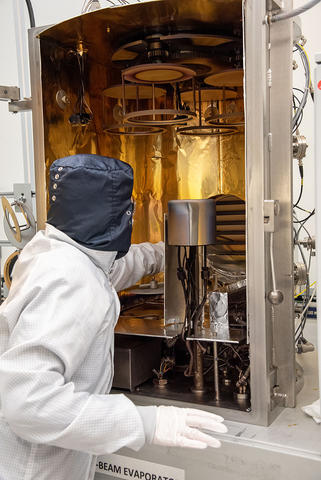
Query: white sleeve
[(141, 260), (51, 339)]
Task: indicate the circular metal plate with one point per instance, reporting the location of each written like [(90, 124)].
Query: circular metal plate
[(13, 233), (158, 73), (232, 119), (227, 78), (129, 51), (178, 117), (206, 130), (18, 236), (8, 267), (132, 92), (209, 94), (216, 124), (134, 131), (132, 50)]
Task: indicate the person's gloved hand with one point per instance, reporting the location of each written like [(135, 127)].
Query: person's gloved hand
[(180, 427)]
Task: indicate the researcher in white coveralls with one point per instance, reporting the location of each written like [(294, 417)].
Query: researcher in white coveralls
[(57, 334)]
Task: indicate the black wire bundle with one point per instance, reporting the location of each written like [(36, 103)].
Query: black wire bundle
[(300, 328), (186, 272), (82, 114), (296, 103)]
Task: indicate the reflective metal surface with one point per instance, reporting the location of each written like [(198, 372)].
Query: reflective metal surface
[(191, 222), (228, 78), (174, 302), (110, 27), (148, 324), (134, 360)]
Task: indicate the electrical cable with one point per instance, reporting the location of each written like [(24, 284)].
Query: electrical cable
[(301, 170), (272, 262), (300, 194), (304, 312), (303, 209), (296, 242), (294, 13), (303, 291), (306, 218), (306, 65), (303, 317), (296, 104), (300, 228), (31, 14)]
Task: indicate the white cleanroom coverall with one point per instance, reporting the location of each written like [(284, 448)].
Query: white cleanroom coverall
[(56, 359)]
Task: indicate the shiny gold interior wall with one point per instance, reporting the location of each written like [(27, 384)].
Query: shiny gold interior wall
[(165, 166)]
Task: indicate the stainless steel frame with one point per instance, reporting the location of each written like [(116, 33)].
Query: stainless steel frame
[(38, 125), (268, 73)]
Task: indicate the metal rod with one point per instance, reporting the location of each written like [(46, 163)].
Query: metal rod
[(123, 90), (198, 369), (200, 106), (137, 97), (224, 104), (216, 372), (194, 95), (203, 261), (153, 87)]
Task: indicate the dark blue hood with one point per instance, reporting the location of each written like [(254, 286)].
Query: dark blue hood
[(90, 201)]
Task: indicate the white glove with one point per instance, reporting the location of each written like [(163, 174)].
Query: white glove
[(179, 427), (313, 410)]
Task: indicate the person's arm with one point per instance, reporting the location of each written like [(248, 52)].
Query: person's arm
[(141, 260), (55, 330)]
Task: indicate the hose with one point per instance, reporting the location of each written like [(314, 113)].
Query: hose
[(307, 305), (272, 263), (306, 65), (293, 13), (31, 14)]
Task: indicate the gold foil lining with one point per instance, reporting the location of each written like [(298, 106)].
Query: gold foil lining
[(167, 166)]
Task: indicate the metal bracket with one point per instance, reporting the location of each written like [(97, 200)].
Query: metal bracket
[(9, 93), (22, 193), (271, 210), (20, 105), (12, 94)]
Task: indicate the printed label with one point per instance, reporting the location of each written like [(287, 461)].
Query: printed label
[(128, 468)]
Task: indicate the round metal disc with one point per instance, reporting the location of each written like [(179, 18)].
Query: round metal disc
[(133, 91), (13, 233), (18, 236), (229, 119), (199, 39), (130, 51), (158, 73), (148, 117), (206, 130), (209, 95), (134, 131), (227, 78), (8, 267)]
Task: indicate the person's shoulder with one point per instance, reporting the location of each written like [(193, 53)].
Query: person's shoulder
[(55, 262)]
